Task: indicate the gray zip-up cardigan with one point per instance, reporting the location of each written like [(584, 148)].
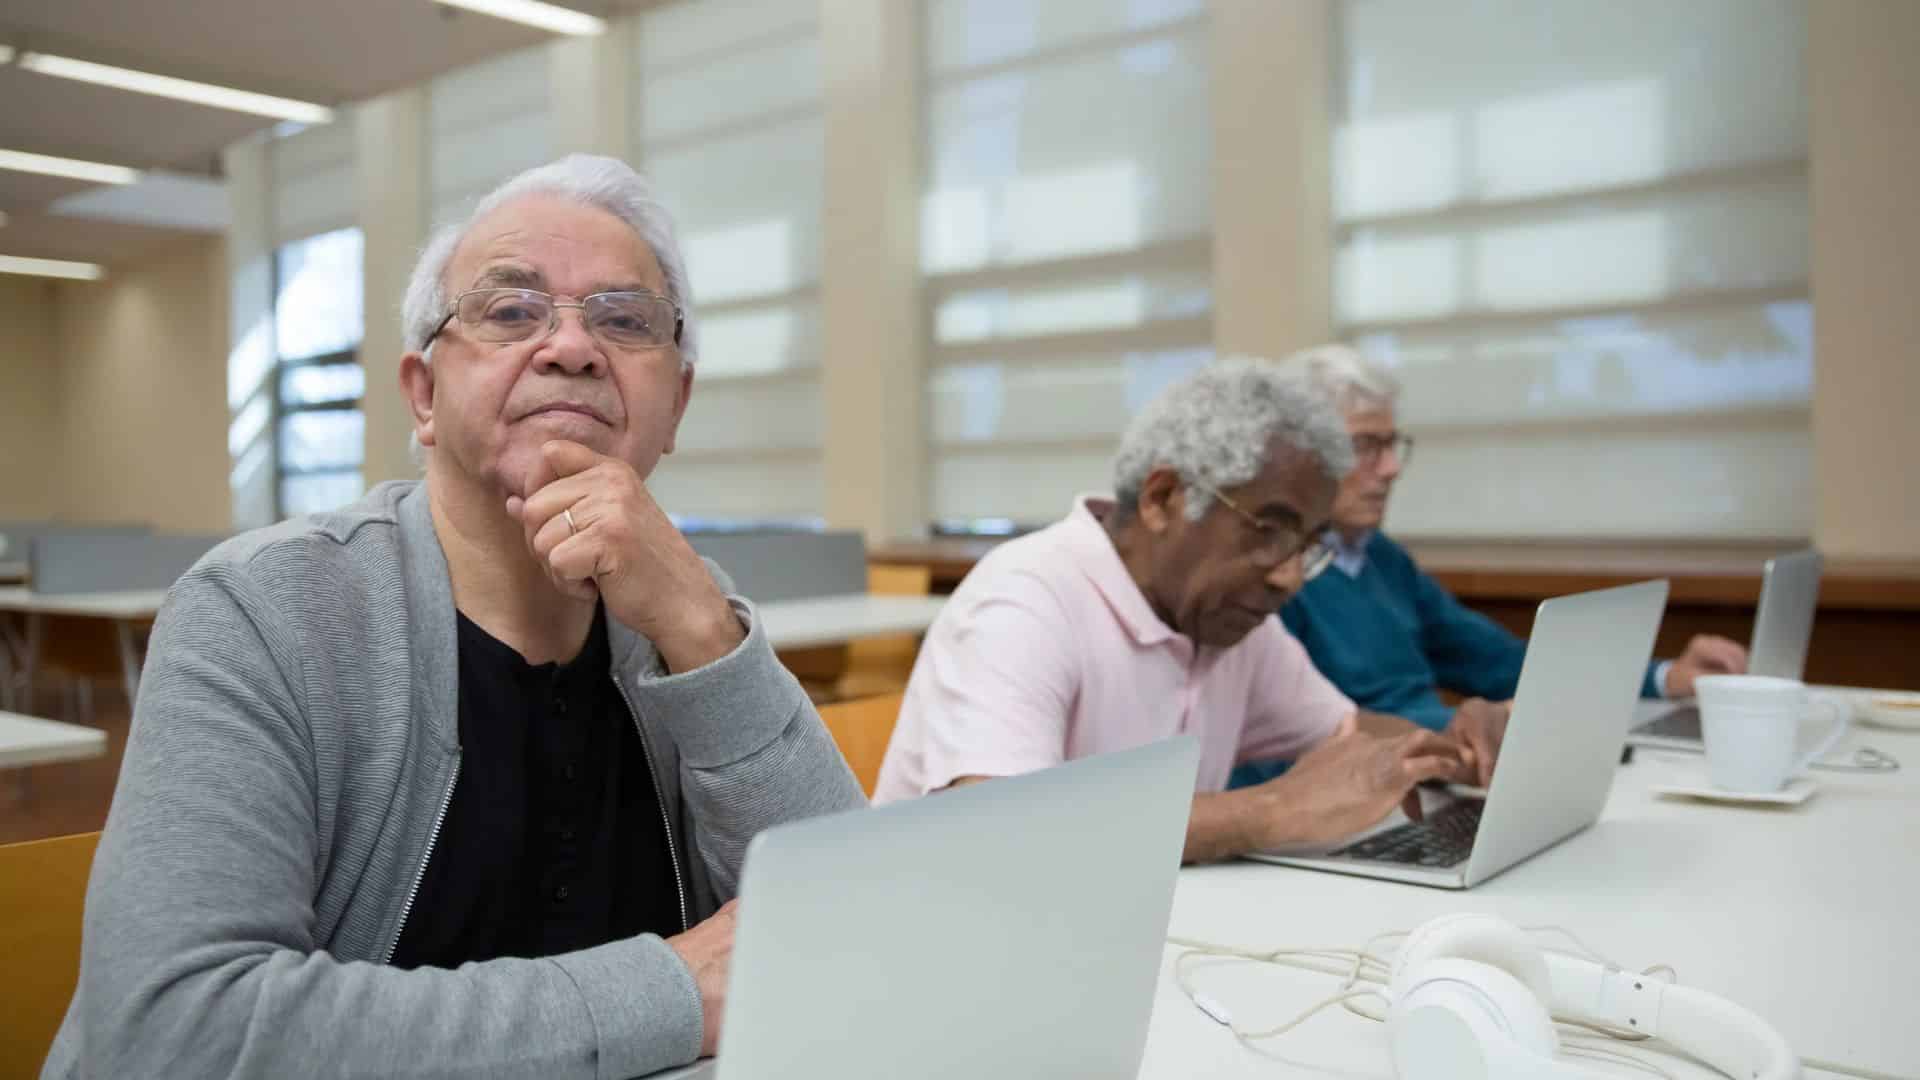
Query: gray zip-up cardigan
[(293, 748)]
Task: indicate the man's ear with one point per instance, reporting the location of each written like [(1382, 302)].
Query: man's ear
[(680, 407), (1162, 499), (416, 385)]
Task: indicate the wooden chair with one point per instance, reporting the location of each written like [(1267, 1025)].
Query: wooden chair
[(43, 888), (861, 729)]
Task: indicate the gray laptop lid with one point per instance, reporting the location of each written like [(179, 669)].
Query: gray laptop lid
[(1783, 624), (1004, 929), (1586, 658)]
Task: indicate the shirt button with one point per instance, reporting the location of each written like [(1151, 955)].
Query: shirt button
[(566, 835), (560, 706), (566, 773), (560, 894)]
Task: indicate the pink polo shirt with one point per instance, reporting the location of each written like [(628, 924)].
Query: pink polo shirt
[(1049, 652)]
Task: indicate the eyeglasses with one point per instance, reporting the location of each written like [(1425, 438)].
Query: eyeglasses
[(1279, 543), (1368, 448), (628, 320)]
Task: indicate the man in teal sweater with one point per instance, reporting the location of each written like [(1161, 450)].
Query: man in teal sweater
[(1389, 636)]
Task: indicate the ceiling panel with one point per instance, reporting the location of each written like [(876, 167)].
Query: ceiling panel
[(336, 51), (29, 191), (72, 119), (45, 237)]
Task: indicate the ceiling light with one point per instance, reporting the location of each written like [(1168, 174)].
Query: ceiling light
[(551, 17), (60, 268), (6, 53), (72, 168), (144, 82)]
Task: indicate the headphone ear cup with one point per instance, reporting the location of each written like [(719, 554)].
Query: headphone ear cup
[(1455, 1019), (1472, 936)]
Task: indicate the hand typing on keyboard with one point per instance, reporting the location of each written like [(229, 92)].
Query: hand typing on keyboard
[(1479, 726), (1351, 781), (1442, 840)]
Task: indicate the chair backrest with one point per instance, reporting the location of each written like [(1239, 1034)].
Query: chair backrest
[(771, 566), (889, 579), (862, 729), (70, 562), (16, 537), (43, 889)]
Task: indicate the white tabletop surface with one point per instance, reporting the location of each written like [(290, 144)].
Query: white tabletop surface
[(29, 740), (1808, 915), (130, 604), (835, 620)]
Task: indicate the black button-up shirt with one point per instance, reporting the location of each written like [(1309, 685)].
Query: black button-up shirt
[(555, 838)]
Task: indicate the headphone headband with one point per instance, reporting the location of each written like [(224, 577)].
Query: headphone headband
[(1732, 1040)]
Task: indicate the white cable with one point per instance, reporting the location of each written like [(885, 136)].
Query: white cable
[(1618, 1057), (1849, 1070)]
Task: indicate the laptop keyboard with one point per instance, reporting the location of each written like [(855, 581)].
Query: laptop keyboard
[(1444, 839), (1681, 722)]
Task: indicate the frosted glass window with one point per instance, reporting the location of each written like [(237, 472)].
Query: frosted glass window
[(1064, 238), (319, 295), (485, 123), (326, 439), (726, 122), (1579, 231)]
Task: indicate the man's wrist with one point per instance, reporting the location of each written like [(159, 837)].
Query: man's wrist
[(1275, 816), (710, 631)]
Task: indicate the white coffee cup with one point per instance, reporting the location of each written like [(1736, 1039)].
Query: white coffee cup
[(1752, 729)]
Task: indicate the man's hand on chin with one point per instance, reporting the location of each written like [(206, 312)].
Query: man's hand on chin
[(594, 527)]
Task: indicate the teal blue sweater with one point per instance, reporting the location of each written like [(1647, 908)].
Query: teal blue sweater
[(1392, 637)]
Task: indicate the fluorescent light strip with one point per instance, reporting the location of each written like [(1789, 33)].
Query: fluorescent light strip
[(143, 82), (6, 54), (552, 17), (72, 168), (60, 268)]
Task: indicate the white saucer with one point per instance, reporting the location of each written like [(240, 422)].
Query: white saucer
[(1796, 792), (1889, 709)]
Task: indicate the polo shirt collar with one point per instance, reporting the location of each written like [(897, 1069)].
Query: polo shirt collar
[(1101, 563)]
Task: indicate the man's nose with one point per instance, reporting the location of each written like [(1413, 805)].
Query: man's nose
[(570, 349)]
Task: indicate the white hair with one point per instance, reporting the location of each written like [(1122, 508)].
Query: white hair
[(602, 183), (1217, 427), (1355, 383)]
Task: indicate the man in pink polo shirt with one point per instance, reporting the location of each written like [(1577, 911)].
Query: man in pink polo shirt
[(1149, 615)]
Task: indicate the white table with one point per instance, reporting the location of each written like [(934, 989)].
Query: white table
[(791, 624), (128, 611), (836, 620), (29, 740), (1809, 916)]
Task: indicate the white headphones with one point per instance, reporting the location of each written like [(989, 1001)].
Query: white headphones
[(1473, 998)]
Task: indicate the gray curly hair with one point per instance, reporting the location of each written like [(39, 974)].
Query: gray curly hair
[(603, 183), (1216, 426), (1343, 373)]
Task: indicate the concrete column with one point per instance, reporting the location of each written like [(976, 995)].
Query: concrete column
[(249, 338), (1864, 93), (590, 79), (1273, 232), (390, 144), (873, 382)]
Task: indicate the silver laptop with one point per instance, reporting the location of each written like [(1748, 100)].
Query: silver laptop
[(1585, 661), (1782, 626), (1011, 928)]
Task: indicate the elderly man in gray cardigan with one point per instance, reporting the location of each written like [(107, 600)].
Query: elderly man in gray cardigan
[(458, 779)]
